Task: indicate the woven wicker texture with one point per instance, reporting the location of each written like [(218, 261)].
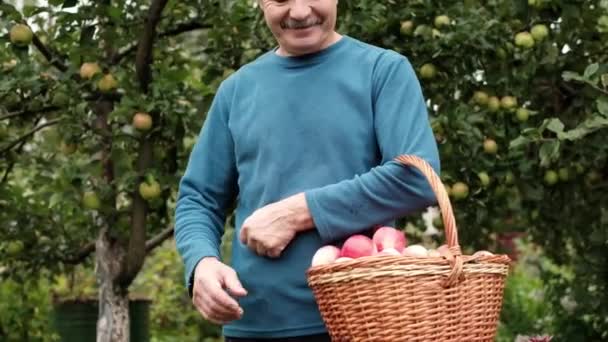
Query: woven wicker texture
[(454, 297)]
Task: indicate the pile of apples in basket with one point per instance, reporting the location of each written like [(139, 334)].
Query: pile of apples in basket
[(386, 241)]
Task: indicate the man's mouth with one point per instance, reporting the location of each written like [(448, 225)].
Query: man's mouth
[(300, 25)]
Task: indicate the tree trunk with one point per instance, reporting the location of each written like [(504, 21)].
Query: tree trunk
[(113, 320)]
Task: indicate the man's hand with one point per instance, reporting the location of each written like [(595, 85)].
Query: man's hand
[(270, 229), (211, 280)]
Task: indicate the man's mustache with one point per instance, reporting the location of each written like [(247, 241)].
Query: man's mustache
[(298, 24)]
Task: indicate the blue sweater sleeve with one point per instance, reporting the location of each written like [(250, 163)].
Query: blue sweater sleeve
[(389, 190), (207, 189)]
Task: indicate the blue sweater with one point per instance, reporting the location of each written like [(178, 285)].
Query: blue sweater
[(328, 124)]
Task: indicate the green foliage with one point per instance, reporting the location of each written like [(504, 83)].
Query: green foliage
[(172, 316), (24, 310)]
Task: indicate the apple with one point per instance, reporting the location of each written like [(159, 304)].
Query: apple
[(539, 32), (389, 251), (493, 104), (325, 255), (551, 177), (149, 190), (428, 71), (415, 251), (480, 97), (407, 27), (389, 237), (484, 178), (90, 200), (14, 248), (21, 35), (358, 246), (107, 83), (460, 190), (482, 254), (89, 69), (524, 39), (508, 102), (142, 121), (522, 114), (490, 146), (343, 259), (442, 20), (433, 253)]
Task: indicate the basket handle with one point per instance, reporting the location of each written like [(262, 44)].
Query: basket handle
[(452, 253)]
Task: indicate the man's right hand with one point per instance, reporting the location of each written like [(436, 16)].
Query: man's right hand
[(212, 279)]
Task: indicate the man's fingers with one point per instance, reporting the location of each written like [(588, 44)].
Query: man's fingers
[(275, 252), (243, 234), (233, 284), (220, 298), (213, 312)]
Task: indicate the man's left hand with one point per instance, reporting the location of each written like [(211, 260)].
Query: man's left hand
[(271, 228)]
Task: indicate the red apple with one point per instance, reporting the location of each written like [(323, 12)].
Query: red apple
[(482, 254), (358, 246), (325, 255), (415, 251), (389, 237)]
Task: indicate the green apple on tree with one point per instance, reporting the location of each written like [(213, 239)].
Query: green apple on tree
[(493, 104), (21, 35), (524, 39), (508, 102), (490, 146), (107, 83), (90, 200), (460, 190), (407, 27), (442, 20), (149, 189), (428, 71), (480, 97), (539, 32)]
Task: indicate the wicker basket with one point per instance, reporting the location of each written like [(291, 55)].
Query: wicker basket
[(453, 297)]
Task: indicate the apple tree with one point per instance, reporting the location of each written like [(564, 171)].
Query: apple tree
[(517, 92), (100, 104)]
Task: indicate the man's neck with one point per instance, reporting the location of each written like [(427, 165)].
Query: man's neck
[(333, 38)]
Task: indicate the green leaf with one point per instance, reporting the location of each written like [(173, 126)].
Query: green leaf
[(519, 141), (604, 79), (9, 12), (549, 151), (591, 70), (56, 2), (602, 105), (572, 76), (555, 125), (588, 126)]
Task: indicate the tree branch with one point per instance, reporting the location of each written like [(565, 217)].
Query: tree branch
[(81, 255), (46, 52), (28, 134), (159, 239), (136, 252), (179, 29), (27, 112), (144, 49)]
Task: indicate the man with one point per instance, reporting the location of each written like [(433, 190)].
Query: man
[(304, 139)]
